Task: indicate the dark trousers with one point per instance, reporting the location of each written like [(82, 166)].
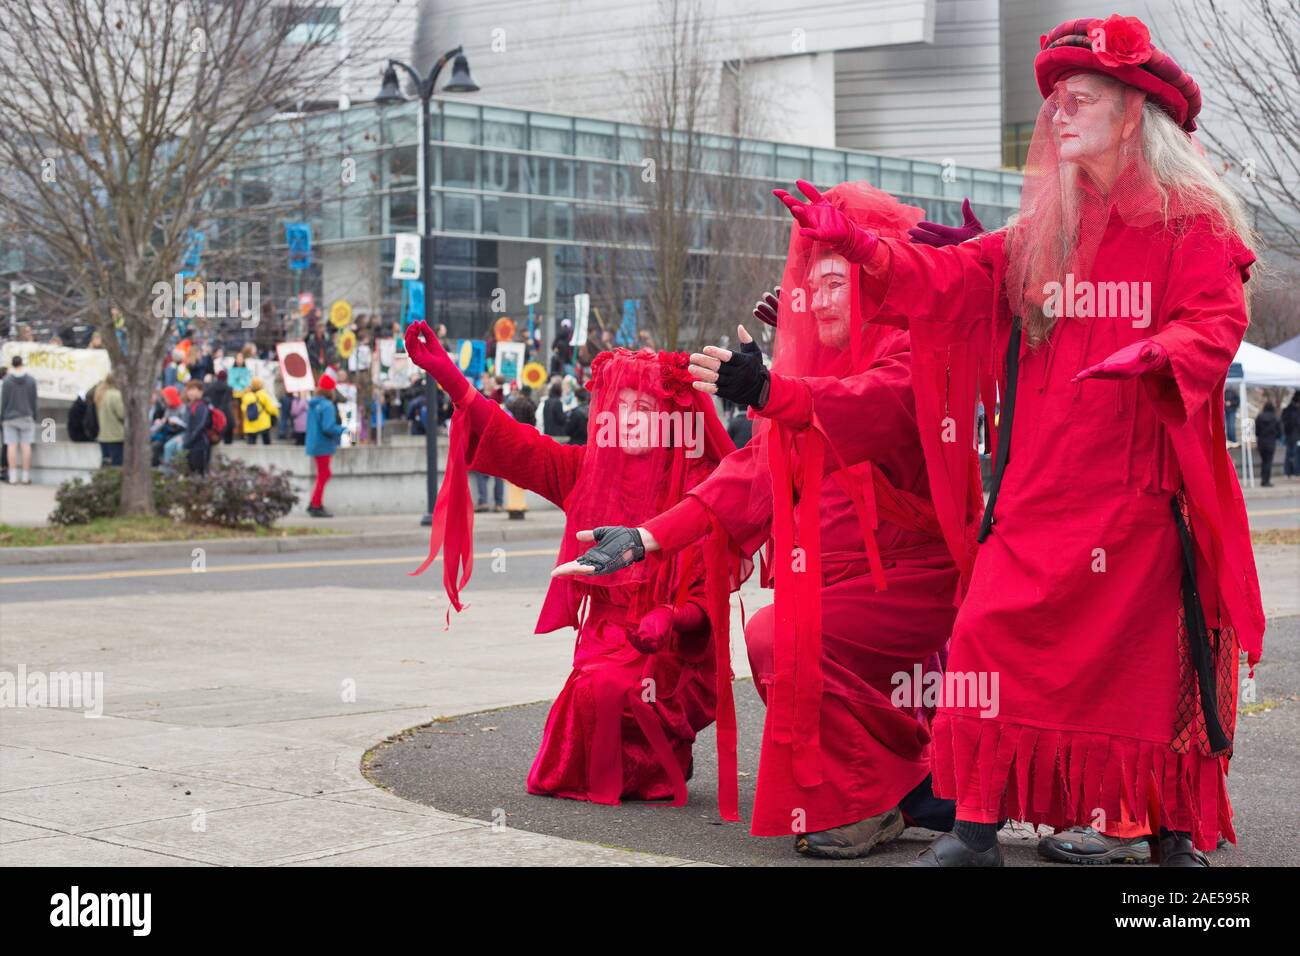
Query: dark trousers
[(1266, 463), (266, 437), (111, 452), (199, 454)]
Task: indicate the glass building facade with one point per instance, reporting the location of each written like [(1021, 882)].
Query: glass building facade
[(505, 180)]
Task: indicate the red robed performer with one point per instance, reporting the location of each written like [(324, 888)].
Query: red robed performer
[(651, 664), (1112, 579), (863, 580)]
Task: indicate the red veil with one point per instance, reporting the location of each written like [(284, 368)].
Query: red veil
[(648, 397)]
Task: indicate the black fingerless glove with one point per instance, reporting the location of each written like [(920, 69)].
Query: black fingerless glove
[(616, 548), (742, 379)]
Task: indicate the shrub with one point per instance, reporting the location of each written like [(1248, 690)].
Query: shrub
[(80, 502), (231, 494)]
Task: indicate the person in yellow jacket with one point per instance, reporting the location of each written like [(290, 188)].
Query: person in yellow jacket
[(259, 412)]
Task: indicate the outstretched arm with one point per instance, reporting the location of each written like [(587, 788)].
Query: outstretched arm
[(901, 281), (498, 444)]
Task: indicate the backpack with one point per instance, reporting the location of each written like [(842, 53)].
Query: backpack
[(83, 420), (216, 424), (77, 419), (254, 409)]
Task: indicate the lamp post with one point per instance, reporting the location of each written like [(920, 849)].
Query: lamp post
[(390, 93)]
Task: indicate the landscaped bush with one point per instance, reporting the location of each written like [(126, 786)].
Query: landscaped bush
[(231, 495), (81, 502)]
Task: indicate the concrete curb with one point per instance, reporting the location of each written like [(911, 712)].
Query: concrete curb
[(416, 538)]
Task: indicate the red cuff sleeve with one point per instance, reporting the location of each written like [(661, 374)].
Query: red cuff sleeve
[(788, 402), (682, 524)]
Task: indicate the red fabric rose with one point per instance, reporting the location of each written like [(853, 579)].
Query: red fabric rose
[(1120, 41)]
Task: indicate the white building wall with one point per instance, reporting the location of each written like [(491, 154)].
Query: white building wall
[(931, 101), (587, 57)]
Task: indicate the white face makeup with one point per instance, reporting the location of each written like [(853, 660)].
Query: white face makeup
[(635, 413), (828, 282), (1088, 121)]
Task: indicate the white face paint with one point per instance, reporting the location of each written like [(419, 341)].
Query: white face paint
[(1090, 136), (636, 419), (828, 281)]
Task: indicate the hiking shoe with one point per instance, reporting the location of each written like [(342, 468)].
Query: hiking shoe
[(1087, 845), (853, 840)]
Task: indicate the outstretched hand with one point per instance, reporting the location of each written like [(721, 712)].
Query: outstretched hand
[(426, 351), (766, 308), (738, 376), (616, 548), (1134, 359), (933, 234), (822, 222)]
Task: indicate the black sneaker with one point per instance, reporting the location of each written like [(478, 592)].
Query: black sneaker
[(948, 850), (320, 513), (1087, 845), (852, 840)]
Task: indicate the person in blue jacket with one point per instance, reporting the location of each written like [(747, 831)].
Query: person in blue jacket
[(323, 431)]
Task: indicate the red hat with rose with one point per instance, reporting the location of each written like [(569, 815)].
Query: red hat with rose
[(1120, 47)]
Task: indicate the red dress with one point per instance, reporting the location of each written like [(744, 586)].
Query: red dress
[(624, 723), (1074, 598), (869, 753), (600, 720)]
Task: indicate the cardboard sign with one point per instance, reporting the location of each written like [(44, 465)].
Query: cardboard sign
[(295, 368)]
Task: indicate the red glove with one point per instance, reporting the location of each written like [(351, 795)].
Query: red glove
[(822, 222), (1131, 361), (426, 351), (934, 234), (655, 632)]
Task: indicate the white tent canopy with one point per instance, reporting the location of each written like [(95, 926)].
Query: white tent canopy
[(1261, 368)]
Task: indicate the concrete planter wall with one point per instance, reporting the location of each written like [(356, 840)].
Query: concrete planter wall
[(367, 479)]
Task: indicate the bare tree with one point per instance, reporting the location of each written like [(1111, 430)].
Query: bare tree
[(691, 228), (672, 94), (1249, 53), (118, 116)]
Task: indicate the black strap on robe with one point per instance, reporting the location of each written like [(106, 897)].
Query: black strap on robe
[(1198, 638), (1005, 415)]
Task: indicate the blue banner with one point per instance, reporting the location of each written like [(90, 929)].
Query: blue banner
[(412, 302), (471, 357), (298, 236), (627, 331), (193, 257)]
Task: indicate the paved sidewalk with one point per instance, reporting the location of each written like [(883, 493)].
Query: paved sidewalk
[(240, 741)]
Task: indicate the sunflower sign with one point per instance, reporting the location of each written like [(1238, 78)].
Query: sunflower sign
[(341, 314)]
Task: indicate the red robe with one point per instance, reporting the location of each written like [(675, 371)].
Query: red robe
[(1074, 598), (604, 739), (865, 753)]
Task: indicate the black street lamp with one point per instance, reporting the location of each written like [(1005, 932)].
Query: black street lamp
[(389, 93)]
